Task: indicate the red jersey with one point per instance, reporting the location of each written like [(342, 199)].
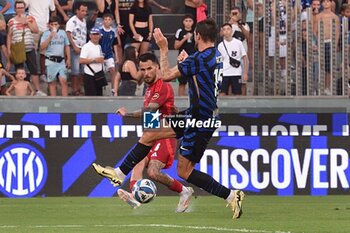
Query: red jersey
[(162, 93)]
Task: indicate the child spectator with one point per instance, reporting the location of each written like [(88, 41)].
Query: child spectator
[(106, 7), (56, 45), (20, 86), (233, 53), (184, 41), (107, 42)]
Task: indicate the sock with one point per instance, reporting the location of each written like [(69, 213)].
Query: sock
[(206, 182), (176, 186), (120, 174), (132, 182), (134, 157), (230, 197)]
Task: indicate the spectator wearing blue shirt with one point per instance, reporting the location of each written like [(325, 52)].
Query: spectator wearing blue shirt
[(56, 45)]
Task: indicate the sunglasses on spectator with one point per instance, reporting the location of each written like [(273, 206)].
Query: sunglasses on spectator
[(234, 13)]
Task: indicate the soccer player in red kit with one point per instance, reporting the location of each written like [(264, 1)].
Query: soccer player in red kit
[(159, 97)]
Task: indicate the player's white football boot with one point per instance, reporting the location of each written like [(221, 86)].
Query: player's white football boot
[(236, 204), (109, 173), (128, 198), (185, 198)]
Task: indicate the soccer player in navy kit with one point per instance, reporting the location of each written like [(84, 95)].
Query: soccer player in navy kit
[(204, 72)]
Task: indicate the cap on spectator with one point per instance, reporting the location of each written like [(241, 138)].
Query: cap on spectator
[(95, 30)]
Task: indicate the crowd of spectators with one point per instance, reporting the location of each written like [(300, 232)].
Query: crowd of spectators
[(58, 38), (324, 15)]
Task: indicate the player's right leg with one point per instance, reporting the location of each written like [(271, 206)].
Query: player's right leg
[(109, 173), (162, 157), (235, 200), (139, 152), (155, 173), (128, 198), (136, 175), (185, 198), (192, 149)]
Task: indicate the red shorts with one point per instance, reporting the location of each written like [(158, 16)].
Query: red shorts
[(164, 151)]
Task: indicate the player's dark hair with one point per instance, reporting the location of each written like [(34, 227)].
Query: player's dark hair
[(207, 29), (148, 57)]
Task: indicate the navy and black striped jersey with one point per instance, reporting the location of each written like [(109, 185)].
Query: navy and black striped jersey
[(203, 71), (107, 41)]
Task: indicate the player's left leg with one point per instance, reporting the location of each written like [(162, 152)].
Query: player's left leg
[(138, 153), (192, 149), (154, 171), (161, 157)]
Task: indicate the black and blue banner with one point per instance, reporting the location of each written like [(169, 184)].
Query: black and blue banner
[(50, 154)]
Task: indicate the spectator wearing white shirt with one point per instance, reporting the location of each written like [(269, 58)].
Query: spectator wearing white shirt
[(40, 10), (91, 55), (233, 54), (77, 34)]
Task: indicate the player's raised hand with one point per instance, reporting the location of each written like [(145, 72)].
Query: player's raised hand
[(182, 56), (160, 39)]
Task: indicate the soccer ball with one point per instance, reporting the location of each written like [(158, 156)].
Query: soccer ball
[(144, 190)]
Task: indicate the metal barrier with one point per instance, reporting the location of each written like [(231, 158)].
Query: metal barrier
[(302, 63)]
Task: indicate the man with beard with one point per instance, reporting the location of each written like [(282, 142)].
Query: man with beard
[(204, 72), (159, 97)]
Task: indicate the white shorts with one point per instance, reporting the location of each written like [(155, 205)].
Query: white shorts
[(109, 63)]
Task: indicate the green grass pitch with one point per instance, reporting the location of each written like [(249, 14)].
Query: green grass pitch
[(262, 214)]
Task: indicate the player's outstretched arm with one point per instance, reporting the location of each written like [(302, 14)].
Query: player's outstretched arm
[(151, 107), (168, 73), (123, 112)]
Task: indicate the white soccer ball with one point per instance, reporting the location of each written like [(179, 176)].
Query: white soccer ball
[(144, 190)]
